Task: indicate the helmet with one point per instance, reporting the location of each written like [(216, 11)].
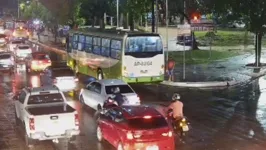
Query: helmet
[(176, 97), (116, 90)]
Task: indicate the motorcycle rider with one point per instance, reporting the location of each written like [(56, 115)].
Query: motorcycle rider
[(119, 98), (177, 107)]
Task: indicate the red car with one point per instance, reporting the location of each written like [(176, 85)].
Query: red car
[(135, 128)]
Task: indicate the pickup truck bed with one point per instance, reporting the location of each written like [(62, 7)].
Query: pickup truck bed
[(51, 109)]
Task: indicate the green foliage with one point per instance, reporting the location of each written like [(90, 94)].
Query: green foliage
[(35, 10), (250, 12)]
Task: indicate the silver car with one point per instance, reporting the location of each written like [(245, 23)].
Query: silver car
[(7, 62)]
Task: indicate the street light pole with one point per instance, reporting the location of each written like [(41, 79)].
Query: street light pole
[(18, 9), (166, 17), (117, 13)]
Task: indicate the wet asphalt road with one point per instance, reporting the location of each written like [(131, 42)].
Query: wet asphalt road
[(226, 119)]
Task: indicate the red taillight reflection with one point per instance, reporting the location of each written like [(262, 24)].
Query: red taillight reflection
[(32, 124), (35, 81), (76, 120)]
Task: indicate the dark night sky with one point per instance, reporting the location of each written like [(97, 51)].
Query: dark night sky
[(8, 3)]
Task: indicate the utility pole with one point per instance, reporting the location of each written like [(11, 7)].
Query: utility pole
[(152, 17), (18, 9), (167, 24), (117, 13)]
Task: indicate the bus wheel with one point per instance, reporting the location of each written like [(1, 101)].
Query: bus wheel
[(100, 74)]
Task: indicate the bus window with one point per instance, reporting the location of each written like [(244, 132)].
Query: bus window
[(81, 42), (97, 45), (88, 44), (116, 48), (144, 44), (75, 41), (106, 47)]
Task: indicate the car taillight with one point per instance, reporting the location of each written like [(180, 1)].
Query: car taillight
[(169, 134), (32, 124), (76, 120), (130, 136)]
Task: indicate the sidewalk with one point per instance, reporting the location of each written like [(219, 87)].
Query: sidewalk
[(224, 73), (228, 72)]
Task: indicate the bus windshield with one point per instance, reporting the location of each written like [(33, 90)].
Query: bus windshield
[(144, 44)]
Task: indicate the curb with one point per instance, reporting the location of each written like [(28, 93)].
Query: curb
[(201, 84), (46, 47)]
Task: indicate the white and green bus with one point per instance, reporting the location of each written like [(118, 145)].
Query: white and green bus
[(134, 57)]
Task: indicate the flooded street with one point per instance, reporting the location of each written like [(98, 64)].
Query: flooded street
[(221, 119)]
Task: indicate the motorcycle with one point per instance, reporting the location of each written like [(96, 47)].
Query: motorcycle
[(180, 126), (109, 103)]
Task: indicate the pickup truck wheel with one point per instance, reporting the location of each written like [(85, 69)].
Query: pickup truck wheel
[(28, 141), (99, 134)]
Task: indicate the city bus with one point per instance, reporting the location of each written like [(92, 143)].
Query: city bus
[(134, 57)]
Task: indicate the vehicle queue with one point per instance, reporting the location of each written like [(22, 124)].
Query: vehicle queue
[(41, 110)]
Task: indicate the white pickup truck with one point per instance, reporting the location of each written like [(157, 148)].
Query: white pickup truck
[(43, 114)]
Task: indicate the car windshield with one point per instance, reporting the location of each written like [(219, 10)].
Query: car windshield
[(17, 42), (40, 56), (45, 98), (5, 56), (151, 123), (123, 89), (23, 47), (62, 72)]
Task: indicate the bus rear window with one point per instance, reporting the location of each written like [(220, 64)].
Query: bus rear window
[(144, 44), (150, 123)]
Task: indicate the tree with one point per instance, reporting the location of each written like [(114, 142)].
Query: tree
[(250, 12)]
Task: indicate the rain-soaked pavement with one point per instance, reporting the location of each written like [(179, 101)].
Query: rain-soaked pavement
[(225, 119)]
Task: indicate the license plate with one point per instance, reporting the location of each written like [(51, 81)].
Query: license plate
[(154, 147), (185, 128)]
